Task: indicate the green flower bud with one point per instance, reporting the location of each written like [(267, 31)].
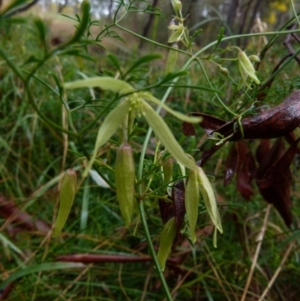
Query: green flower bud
[(166, 241), (177, 33), (246, 67), (177, 6), (223, 70), (254, 58), (192, 201), (66, 197), (125, 177)]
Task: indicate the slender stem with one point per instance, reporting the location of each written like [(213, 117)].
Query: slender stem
[(295, 12), (153, 253), (216, 94)]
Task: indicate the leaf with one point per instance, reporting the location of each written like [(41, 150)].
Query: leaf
[(246, 170), (143, 60), (271, 123), (270, 158), (170, 77), (105, 83), (36, 268), (262, 150), (114, 61), (85, 17), (208, 123), (274, 178), (41, 28), (12, 5)]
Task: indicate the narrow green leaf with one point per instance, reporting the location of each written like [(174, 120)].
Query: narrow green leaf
[(114, 61), (41, 28), (44, 267), (143, 60), (105, 83), (85, 15), (107, 129), (166, 241), (12, 6), (7, 242), (166, 137)]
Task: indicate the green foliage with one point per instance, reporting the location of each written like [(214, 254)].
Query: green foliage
[(67, 105)]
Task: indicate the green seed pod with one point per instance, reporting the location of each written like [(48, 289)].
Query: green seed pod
[(192, 196), (66, 197), (166, 241), (125, 176)]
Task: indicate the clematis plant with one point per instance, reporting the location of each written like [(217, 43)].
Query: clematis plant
[(134, 103)]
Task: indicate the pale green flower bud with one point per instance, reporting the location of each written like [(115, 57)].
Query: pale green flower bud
[(254, 58), (66, 198), (177, 5), (246, 67), (125, 177), (223, 70), (177, 33)]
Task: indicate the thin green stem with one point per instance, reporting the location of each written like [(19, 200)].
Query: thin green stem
[(151, 41), (153, 253), (211, 86), (42, 116), (295, 13)]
